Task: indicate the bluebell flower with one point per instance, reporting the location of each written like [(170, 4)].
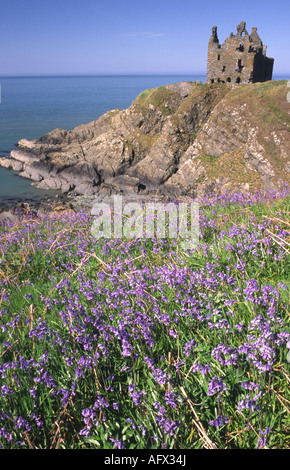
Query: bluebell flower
[(119, 444), (216, 385), (219, 421)]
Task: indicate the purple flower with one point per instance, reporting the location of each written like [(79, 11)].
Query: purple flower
[(119, 444), (32, 391), (216, 385), (100, 403), (250, 404), (188, 346), (250, 386), (6, 434), (88, 415), (262, 441), (219, 421), (204, 369), (167, 425), (171, 399), (160, 376), (126, 348), (5, 390), (22, 423), (37, 419), (129, 420), (138, 397)]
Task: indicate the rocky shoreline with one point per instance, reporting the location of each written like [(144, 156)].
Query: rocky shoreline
[(13, 210), (187, 139)]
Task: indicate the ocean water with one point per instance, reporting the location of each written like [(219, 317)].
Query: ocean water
[(32, 106)]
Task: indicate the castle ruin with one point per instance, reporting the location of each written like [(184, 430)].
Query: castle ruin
[(240, 59)]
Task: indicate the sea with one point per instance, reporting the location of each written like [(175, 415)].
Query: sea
[(32, 106)]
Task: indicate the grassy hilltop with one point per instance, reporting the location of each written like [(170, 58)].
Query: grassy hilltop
[(232, 137)]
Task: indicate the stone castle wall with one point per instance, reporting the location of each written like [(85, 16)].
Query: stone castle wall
[(240, 59)]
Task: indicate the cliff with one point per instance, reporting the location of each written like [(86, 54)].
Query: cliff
[(176, 140)]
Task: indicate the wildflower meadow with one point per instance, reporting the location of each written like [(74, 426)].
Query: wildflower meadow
[(140, 344)]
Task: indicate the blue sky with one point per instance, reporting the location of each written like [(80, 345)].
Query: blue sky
[(64, 37)]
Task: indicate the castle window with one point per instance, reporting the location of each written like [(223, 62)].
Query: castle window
[(238, 80), (212, 80), (240, 67), (224, 68), (219, 57), (229, 79)]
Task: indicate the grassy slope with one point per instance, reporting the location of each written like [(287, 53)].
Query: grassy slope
[(266, 111)]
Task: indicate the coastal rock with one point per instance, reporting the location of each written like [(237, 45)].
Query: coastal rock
[(23, 156), (11, 164), (254, 156), (52, 183), (26, 144), (30, 173), (180, 139)]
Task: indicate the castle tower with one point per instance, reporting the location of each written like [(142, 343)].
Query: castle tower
[(240, 59)]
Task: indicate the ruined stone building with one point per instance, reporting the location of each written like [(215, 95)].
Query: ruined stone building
[(240, 59)]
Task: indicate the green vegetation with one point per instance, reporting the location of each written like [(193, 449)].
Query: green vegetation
[(160, 98), (139, 344)]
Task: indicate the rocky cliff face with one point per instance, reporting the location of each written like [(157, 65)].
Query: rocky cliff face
[(183, 139)]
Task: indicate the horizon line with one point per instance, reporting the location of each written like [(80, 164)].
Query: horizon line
[(127, 74), (139, 74)]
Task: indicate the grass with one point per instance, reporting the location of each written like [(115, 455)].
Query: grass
[(158, 98), (137, 344)]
